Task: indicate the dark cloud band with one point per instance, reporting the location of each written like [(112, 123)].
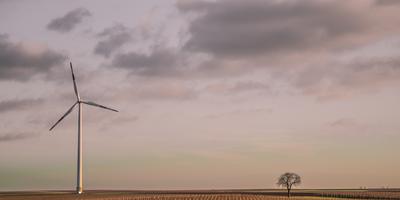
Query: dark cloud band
[(19, 63)]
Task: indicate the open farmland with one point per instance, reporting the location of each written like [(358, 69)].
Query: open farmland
[(156, 197), (206, 195)]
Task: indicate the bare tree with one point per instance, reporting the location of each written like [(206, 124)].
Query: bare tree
[(288, 180)]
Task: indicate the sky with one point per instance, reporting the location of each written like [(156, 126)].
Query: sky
[(211, 94)]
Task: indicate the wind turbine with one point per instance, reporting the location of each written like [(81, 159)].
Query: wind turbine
[(79, 187)]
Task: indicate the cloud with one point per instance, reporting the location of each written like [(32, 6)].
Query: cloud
[(236, 88), (21, 61), (350, 126), (248, 86), (387, 2), (343, 122), (18, 104), (231, 28), (300, 42), (240, 113), (294, 42), (337, 80), (159, 62), (16, 136), (126, 119), (113, 38), (166, 92), (68, 22)]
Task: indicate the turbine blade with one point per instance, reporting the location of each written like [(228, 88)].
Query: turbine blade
[(73, 79), (68, 111), (98, 105)]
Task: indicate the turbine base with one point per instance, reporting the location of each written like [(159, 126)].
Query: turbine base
[(79, 190)]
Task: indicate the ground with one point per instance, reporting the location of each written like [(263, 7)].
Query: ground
[(203, 194)]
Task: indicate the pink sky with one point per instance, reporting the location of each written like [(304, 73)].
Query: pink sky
[(212, 94)]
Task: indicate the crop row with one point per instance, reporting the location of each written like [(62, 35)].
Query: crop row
[(211, 197), (170, 197), (362, 195)]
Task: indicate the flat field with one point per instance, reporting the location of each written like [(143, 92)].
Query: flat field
[(203, 194)]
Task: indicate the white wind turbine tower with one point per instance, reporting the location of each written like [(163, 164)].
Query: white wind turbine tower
[(79, 187)]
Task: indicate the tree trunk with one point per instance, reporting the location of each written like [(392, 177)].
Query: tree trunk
[(288, 192)]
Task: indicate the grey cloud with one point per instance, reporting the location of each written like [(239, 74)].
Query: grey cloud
[(166, 92), (113, 38), (119, 120), (237, 88), (116, 28), (343, 122), (247, 28), (294, 39), (338, 80), (253, 35), (15, 136), (236, 113), (154, 89), (349, 126), (248, 86), (68, 22), (19, 63), (18, 104), (126, 119), (160, 62), (387, 2)]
